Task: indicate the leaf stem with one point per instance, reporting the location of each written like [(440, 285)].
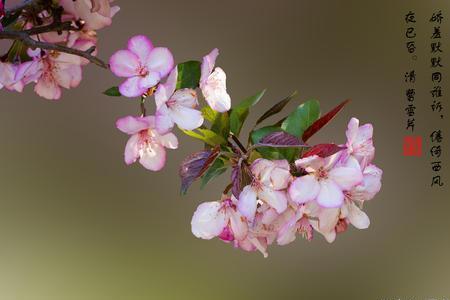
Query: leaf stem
[(238, 143)]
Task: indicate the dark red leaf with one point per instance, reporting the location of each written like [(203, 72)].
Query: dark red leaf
[(323, 150), (240, 177), (276, 108), (281, 139), (320, 123), (195, 165)]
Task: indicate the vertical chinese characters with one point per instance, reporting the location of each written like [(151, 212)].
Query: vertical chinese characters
[(437, 93)]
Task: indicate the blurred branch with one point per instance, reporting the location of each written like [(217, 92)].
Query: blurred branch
[(24, 37)]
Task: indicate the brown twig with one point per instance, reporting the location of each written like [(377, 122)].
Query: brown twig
[(54, 27), (25, 38)]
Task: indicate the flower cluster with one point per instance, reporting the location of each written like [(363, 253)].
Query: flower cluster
[(326, 195), (144, 66), (52, 47), (280, 185)]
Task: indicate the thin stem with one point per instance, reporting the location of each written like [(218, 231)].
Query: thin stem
[(143, 109), (24, 37), (58, 27), (238, 143)]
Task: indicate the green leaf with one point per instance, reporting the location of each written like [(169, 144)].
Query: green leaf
[(188, 75), (221, 125), (216, 169), (208, 136), (9, 20), (209, 114), (276, 108), (113, 92), (240, 112), (299, 120)]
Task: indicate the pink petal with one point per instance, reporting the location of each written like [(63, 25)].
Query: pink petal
[(141, 46), (132, 149), (330, 194), (215, 92), (169, 140), (357, 217), (124, 63), (163, 120), (365, 133), (153, 157), (171, 82), (186, 118), (149, 81), (328, 219), (345, 177), (131, 125), (310, 163), (276, 199), (208, 220), (247, 203), (160, 60), (130, 87), (208, 64), (280, 178), (352, 130), (186, 98), (304, 189), (48, 89), (370, 185), (238, 225)]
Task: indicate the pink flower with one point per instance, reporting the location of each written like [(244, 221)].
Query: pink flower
[(219, 219), (369, 186), (295, 221), (325, 181), (146, 143), (8, 79), (213, 83), (95, 13), (58, 70), (142, 64), (271, 178), (176, 106), (359, 142)]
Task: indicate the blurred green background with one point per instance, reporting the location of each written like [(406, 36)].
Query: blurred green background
[(76, 223)]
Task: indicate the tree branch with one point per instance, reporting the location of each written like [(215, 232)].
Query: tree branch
[(58, 27), (25, 38)]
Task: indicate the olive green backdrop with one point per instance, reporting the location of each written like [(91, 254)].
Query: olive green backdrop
[(76, 223)]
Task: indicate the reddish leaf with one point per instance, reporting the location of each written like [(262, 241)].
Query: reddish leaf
[(241, 176), (281, 139), (276, 108), (195, 165), (320, 123), (323, 150)]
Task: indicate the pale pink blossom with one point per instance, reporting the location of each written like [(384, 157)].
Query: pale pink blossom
[(294, 221), (146, 143), (59, 70), (176, 106), (359, 142), (369, 186), (219, 219), (325, 181), (213, 83), (95, 14), (143, 65), (271, 178)]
